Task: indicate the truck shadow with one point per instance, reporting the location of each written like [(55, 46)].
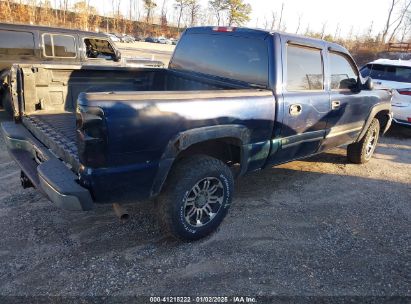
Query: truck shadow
[(295, 191), (398, 131)]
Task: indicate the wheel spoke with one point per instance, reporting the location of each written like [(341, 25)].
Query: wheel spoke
[(196, 189), (208, 210), (199, 215), (191, 212), (212, 190), (190, 201), (214, 199), (206, 185)]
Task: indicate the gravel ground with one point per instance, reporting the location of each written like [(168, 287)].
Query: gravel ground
[(319, 227)]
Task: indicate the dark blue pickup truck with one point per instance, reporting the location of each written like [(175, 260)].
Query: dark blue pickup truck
[(232, 101)]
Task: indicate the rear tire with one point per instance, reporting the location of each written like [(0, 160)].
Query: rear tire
[(196, 197), (362, 151)]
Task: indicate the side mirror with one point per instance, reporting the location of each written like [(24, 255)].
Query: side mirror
[(368, 84), (117, 56), (349, 83)]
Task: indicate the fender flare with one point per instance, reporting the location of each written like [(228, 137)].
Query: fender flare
[(373, 113), (185, 139)]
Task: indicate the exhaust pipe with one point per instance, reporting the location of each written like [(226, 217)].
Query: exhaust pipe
[(121, 213)]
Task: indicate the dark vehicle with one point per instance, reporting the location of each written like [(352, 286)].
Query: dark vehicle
[(232, 101), (39, 44), (151, 39)]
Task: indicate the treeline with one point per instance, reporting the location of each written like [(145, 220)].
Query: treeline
[(80, 16), (151, 18)]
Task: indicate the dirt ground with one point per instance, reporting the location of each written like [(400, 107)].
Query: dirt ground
[(319, 227)]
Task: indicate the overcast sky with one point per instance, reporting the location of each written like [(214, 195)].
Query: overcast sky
[(347, 14)]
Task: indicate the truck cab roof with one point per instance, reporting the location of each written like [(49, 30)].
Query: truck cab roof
[(28, 27), (263, 34)]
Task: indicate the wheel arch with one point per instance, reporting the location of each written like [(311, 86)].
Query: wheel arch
[(383, 113), (224, 142)]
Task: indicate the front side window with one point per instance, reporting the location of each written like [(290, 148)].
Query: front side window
[(341, 71), (304, 69), (15, 43), (60, 46), (99, 48)]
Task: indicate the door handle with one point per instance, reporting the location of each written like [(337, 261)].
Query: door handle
[(295, 109), (335, 104)]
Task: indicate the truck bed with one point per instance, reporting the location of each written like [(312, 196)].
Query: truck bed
[(51, 93)]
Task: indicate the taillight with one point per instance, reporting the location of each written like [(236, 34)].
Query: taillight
[(224, 29), (91, 136), (405, 92), (409, 119)]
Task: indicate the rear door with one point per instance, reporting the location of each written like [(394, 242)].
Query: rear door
[(305, 99)]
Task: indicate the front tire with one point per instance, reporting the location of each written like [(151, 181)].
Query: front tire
[(362, 151), (196, 198)]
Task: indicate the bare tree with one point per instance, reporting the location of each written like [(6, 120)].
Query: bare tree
[(149, 6), (370, 29), (218, 7), (180, 5), (300, 16), (400, 19), (280, 20), (193, 7), (406, 28), (307, 30), (273, 20), (388, 23), (323, 29), (82, 13), (65, 8), (337, 32), (164, 9)]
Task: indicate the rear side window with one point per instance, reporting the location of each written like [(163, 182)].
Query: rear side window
[(390, 73), (15, 43), (227, 56), (304, 69), (60, 46), (341, 70)]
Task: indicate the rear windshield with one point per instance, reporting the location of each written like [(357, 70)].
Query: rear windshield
[(238, 58), (387, 72)]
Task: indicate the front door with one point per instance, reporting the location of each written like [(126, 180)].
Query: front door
[(349, 106), (306, 103)]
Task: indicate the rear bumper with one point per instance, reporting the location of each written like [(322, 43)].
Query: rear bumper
[(47, 173)]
